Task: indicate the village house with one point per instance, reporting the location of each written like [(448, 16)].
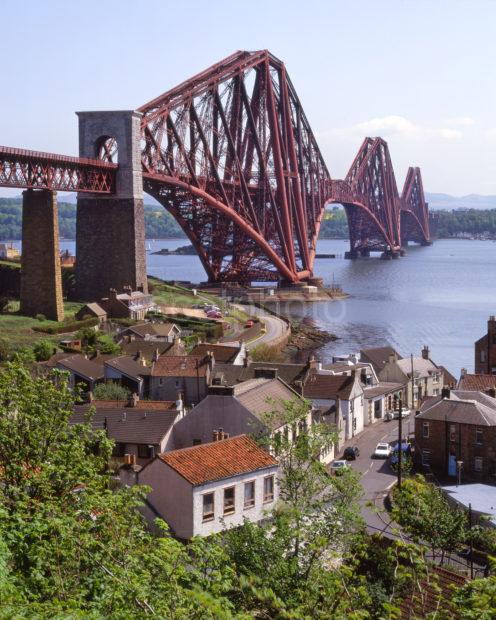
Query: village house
[(458, 428), (84, 372), (426, 380), (187, 374), (228, 374), (156, 332), (378, 357), (131, 372), (128, 304), (205, 489), (340, 401), (151, 350), (253, 407), (380, 397), (90, 311), (141, 429), (225, 353), (485, 350)]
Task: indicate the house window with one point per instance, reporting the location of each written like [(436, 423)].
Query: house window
[(452, 432), (478, 436), (177, 383), (208, 507), (229, 501), (425, 430), (426, 457), (478, 463), (161, 381), (268, 494), (145, 452), (119, 449), (249, 494), (482, 356)]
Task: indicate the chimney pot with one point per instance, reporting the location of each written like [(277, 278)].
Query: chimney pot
[(215, 436)]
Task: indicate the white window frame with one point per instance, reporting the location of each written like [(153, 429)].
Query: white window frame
[(231, 509), (478, 463), (425, 427), (426, 458), (479, 432)]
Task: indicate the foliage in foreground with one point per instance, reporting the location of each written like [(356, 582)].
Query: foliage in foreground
[(72, 545)]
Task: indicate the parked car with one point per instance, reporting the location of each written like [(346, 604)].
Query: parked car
[(214, 314), (249, 323), (382, 451), (404, 414), (351, 453), (406, 450), (337, 466), (210, 307)]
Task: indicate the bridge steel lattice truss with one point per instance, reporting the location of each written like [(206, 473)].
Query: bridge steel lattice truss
[(231, 155)]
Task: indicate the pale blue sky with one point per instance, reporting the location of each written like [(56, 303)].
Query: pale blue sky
[(420, 73)]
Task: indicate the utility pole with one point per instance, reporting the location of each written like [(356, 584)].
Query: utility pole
[(400, 440), (413, 382), (471, 544)]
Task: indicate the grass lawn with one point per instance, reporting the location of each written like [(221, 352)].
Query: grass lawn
[(17, 329)]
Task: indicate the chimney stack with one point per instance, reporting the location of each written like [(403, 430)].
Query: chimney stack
[(425, 352), (463, 372), (215, 436), (445, 392)]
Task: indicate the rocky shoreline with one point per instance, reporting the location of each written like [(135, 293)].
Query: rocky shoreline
[(305, 339)]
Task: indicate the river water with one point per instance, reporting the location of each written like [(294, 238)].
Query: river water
[(440, 295)]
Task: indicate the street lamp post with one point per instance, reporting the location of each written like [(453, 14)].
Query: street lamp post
[(459, 465)]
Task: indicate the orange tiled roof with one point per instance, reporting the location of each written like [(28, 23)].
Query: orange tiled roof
[(218, 460), (179, 366), (477, 383)]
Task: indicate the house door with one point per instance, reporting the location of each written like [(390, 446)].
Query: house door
[(452, 465)]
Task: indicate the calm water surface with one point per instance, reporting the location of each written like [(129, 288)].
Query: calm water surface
[(440, 295)]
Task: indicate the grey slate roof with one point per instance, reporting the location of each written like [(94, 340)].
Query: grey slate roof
[(459, 411), (383, 387), (128, 425), (89, 369), (231, 375), (378, 356), (129, 366)]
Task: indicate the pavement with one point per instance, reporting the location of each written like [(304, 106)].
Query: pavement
[(377, 477), (274, 327)]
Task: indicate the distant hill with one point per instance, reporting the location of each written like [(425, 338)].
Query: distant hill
[(471, 201)]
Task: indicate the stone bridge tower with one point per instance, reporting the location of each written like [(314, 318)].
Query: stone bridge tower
[(110, 231)]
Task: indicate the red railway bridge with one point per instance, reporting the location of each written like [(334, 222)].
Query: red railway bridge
[(231, 155)]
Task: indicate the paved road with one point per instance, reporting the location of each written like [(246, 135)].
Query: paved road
[(376, 474), (274, 326)]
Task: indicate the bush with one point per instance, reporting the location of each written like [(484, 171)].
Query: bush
[(5, 350), (64, 328), (111, 391), (266, 353), (40, 317), (43, 350)]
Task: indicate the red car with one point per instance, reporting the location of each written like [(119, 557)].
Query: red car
[(249, 323), (213, 314)]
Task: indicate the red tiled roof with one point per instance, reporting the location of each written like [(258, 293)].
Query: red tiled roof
[(435, 596), (179, 366), (218, 460), (328, 386), (477, 383)]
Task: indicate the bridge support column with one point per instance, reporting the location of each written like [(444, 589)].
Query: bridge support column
[(110, 231), (41, 277)]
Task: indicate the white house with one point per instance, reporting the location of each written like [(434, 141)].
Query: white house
[(204, 489), (339, 397)]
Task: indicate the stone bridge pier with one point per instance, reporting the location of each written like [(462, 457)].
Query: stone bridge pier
[(41, 278), (110, 230)]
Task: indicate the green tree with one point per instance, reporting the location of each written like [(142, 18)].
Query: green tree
[(423, 511), (477, 600), (266, 353), (111, 391), (71, 544), (283, 566), (43, 350)]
